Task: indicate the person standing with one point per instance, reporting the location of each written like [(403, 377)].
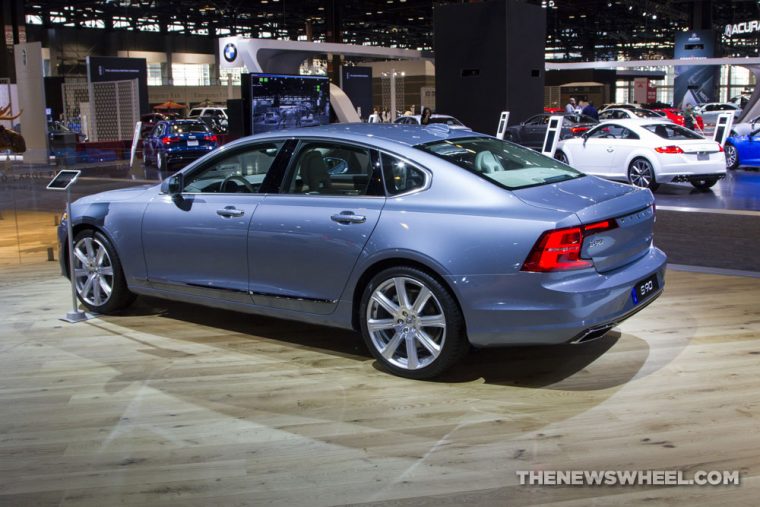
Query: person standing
[(590, 110), (688, 116), (374, 117), (570, 107)]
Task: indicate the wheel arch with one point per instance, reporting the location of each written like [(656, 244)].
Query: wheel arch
[(390, 262)]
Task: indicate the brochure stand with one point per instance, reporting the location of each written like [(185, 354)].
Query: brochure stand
[(64, 180)]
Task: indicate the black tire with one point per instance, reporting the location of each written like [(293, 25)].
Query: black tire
[(415, 336), (641, 174), (97, 274), (560, 155), (732, 156), (704, 183)]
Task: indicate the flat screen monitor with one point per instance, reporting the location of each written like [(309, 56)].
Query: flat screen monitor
[(62, 180), (280, 101)]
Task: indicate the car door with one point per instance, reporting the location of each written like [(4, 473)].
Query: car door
[(595, 154), (305, 240), (534, 131), (748, 148), (196, 242), (149, 145)]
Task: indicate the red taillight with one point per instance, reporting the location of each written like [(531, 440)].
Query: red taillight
[(578, 130), (560, 249), (210, 137), (669, 149), (171, 139), (720, 148)]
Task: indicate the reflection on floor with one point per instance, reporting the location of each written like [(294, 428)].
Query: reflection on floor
[(172, 404), (740, 190)]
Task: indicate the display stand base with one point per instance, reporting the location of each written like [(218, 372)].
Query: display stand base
[(74, 317)]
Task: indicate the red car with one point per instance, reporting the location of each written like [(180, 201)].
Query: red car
[(676, 117)]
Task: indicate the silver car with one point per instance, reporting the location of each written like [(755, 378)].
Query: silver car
[(432, 240)]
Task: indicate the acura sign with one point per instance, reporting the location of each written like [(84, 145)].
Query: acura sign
[(742, 28)]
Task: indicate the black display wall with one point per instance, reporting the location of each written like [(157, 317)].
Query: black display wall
[(489, 57)]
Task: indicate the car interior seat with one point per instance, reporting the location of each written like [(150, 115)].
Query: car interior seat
[(486, 162), (314, 172), (661, 131)]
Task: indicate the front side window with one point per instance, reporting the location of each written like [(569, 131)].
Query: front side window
[(503, 163), (612, 131), (672, 131), (323, 168), (240, 172), (446, 121), (645, 113)]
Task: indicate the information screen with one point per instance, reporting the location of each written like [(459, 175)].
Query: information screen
[(63, 179), (280, 101)]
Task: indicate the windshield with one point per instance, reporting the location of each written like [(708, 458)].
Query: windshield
[(503, 163), (444, 119), (645, 113), (672, 131), (195, 112)]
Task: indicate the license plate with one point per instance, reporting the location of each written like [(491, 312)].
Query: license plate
[(644, 289), (192, 142), (703, 156)]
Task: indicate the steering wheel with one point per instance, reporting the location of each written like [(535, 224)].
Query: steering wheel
[(236, 177)]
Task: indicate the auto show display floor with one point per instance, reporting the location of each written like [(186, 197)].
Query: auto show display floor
[(174, 404)]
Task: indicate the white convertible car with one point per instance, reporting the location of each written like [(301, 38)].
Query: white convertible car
[(645, 153)]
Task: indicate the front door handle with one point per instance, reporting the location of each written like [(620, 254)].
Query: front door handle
[(348, 217), (229, 212), (610, 149)]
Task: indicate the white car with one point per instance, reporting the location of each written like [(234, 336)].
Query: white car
[(414, 119), (645, 153), (710, 111)]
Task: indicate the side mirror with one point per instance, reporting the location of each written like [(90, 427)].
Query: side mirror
[(173, 185)]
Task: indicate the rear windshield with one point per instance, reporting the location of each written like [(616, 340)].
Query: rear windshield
[(188, 126), (505, 164), (672, 131), (195, 112)]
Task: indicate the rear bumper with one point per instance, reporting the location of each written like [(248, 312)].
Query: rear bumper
[(552, 308), (685, 170)]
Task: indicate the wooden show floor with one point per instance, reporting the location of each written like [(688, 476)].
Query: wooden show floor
[(173, 404)]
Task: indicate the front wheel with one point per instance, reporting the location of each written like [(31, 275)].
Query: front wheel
[(732, 157), (641, 174), (99, 279), (411, 323), (704, 183)]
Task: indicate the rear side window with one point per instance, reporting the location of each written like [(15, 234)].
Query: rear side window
[(505, 164), (401, 177), (324, 168), (672, 131)]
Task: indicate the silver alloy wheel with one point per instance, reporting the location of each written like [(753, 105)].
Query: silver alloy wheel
[(731, 156), (641, 173), (406, 323), (93, 271)]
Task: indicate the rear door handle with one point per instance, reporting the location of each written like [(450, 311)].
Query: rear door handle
[(229, 212), (348, 217), (610, 149)]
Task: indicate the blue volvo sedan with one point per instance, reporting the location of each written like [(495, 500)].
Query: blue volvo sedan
[(430, 241)]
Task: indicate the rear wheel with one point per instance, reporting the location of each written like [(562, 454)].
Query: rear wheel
[(732, 157), (99, 279), (704, 183), (411, 323), (641, 174), (161, 162), (560, 155)]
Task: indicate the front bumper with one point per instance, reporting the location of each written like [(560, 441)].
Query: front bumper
[(552, 308)]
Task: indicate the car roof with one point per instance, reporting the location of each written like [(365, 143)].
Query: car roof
[(397, 133)]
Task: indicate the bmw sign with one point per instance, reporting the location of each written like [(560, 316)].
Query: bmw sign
[(230, 52)]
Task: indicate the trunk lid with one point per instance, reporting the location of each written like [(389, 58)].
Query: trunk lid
[(592, 200)]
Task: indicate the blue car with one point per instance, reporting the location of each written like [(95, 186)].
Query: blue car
[(175, 142), (743, 146), (431, 241)]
